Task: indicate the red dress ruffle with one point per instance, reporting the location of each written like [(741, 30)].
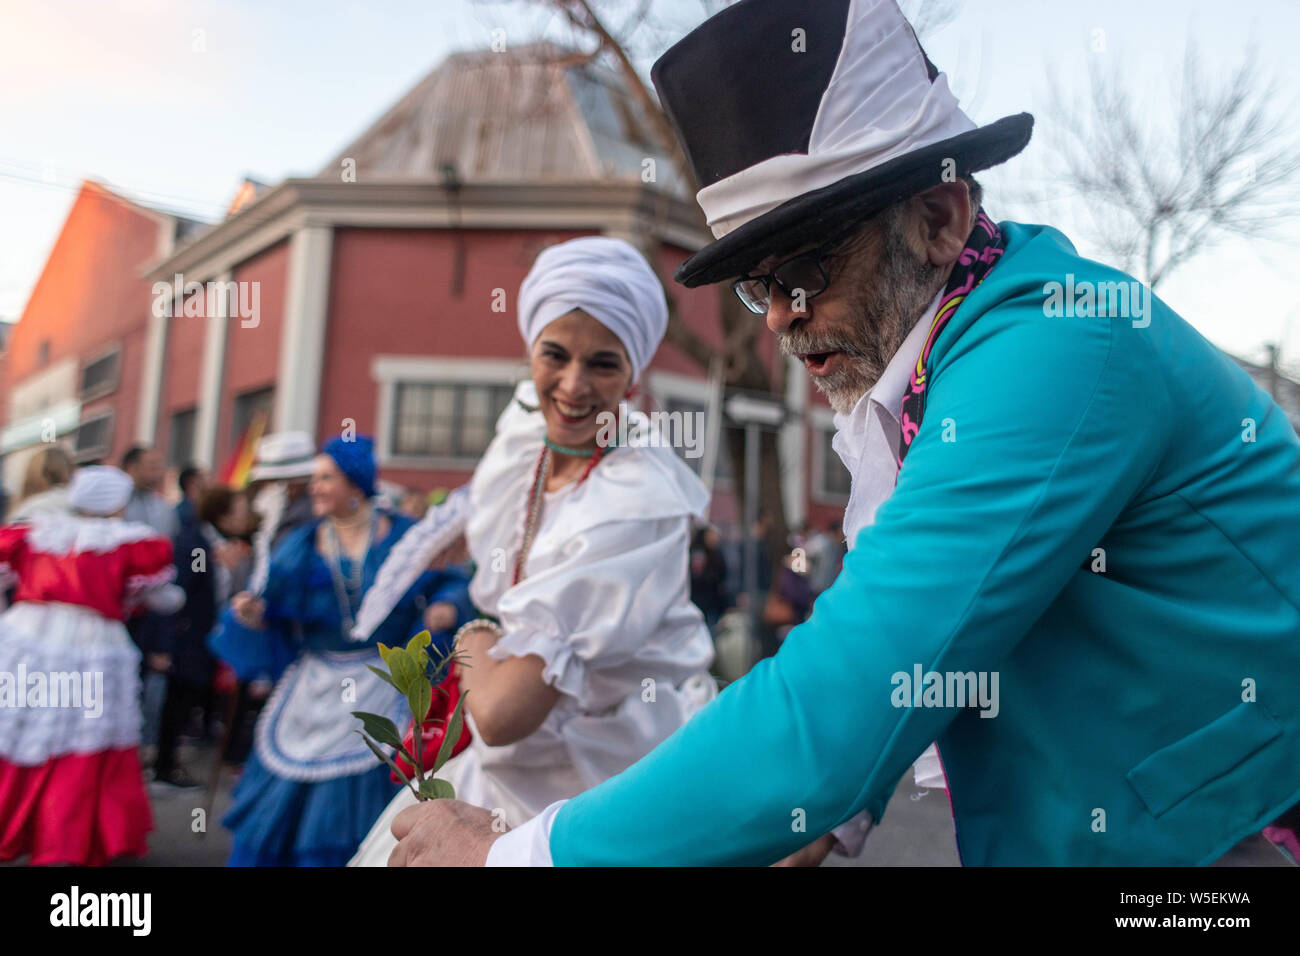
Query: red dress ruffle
[(80, 809)]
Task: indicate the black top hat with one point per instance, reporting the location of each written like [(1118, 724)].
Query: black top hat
[(799, 118)]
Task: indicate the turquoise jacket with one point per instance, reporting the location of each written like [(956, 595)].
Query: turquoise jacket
[(1149, 713)]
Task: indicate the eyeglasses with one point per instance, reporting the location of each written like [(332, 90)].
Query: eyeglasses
[(805, 273)]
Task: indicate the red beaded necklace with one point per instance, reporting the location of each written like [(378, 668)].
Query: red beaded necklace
[(533, 512)]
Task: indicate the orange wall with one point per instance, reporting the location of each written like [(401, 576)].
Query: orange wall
[(91, 295)]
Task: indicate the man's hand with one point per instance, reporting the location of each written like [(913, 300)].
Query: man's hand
[(812, 854), (158, 663), (443, 833)]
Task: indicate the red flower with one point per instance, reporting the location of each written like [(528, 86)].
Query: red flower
[(434, 727)]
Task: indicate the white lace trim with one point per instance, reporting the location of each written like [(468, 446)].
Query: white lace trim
[(306, 732), (148, 582), (65, 534)]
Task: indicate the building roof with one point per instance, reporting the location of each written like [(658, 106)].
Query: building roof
[(531, 113)]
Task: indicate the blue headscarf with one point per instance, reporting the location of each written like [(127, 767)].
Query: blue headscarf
[(355, 457)]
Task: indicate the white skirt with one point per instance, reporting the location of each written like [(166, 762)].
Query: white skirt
[(69, 683)]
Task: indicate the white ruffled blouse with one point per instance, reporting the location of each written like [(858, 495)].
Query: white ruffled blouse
[(604, 602)]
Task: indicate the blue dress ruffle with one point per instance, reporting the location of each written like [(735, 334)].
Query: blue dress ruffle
[(281, 822)]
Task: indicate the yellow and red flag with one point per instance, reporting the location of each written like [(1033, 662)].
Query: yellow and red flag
[(240, 463)]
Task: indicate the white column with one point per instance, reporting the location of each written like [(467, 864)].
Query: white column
[(793, 443), (302, 344), (211, 373), (155, 350), (151, 379)]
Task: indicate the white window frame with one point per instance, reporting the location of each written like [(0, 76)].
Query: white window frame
[(822, 420), (96, 452), (106, 388), (389, 371)]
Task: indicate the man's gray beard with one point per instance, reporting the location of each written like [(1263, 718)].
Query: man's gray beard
[(887, 302)]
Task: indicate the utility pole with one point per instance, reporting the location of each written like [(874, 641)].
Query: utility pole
[(1272, 369)]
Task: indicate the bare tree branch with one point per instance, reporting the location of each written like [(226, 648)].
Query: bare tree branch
[(1166, 182)]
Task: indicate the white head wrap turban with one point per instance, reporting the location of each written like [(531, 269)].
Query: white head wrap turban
[(606, 278), (100, 490)]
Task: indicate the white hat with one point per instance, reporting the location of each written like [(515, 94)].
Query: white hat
[(100, 490), (284, 455), (606, 278)]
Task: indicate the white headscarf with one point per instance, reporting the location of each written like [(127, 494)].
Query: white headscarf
[(606, 278), (100, 490)]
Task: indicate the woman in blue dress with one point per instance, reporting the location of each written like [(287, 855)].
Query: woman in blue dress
[(311, 788)]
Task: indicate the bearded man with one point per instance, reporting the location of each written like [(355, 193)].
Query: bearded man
[(1095, 517)]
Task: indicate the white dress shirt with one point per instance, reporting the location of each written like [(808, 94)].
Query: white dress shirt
[(867, 440)]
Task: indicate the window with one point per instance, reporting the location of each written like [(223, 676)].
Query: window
[(248, 406), (690, 396), (99, 377), (94, 437), (180, 441), (445, 420), (832, 478), (721, 467)]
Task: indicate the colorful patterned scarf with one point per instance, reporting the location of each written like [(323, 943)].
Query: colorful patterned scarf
[(982, 251)]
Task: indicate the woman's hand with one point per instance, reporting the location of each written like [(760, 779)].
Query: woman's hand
[(248, 610), (230, 553), (440, 616)]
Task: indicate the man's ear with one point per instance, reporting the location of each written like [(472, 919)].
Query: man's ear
[(946, 221)]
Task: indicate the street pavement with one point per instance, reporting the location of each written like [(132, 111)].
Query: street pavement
[(917, 827)]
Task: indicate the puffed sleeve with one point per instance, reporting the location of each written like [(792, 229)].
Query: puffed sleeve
[(619, 597), (287, 579)]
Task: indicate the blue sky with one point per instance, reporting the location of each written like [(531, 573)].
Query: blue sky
[(128, 92)]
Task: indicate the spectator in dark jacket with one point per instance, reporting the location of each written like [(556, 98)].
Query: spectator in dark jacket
[(209, 557), (192, 482), (709, 575)]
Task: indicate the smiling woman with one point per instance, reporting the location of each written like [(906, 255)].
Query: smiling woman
[(581, 552)]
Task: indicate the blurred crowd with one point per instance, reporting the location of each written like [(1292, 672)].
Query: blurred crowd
[(748, 627), (189, 696)]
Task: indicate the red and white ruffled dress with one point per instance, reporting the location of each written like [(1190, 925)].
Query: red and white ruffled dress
[(71, 787)]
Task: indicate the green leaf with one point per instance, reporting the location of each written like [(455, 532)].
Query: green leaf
[(381, 728), (405, 671), (431, 788), (418, 699), (382, 674), (374, 749), (421, 640), (450, 736), (384, 651)]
